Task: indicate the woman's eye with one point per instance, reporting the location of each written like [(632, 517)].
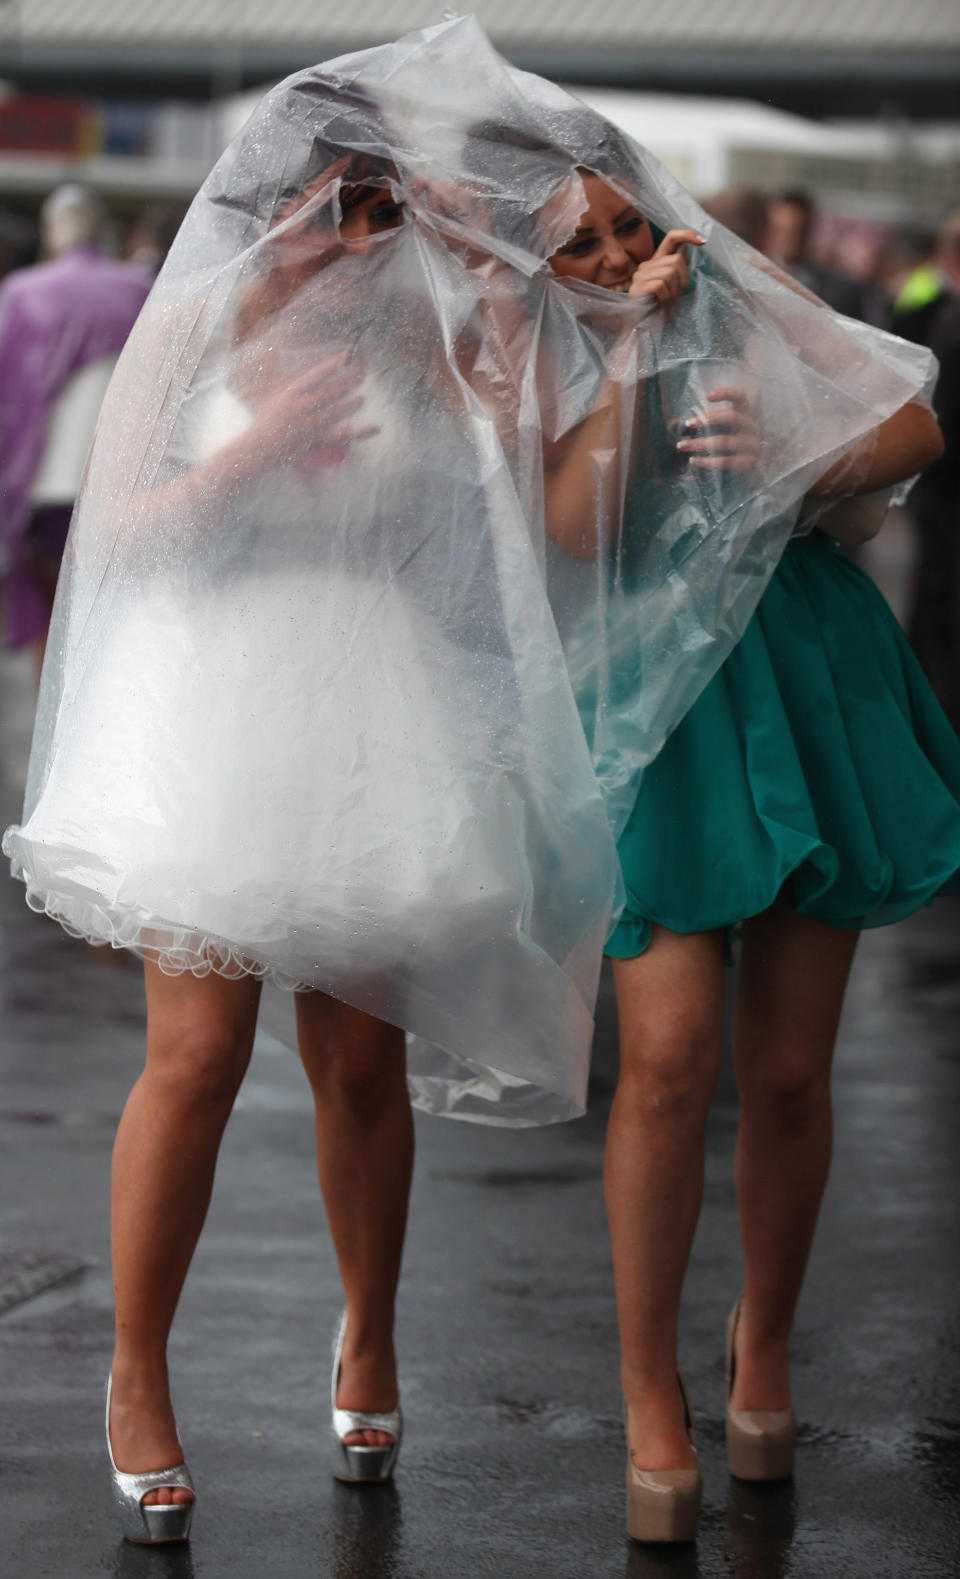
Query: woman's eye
[(631, 226), (578, 249), (387, 214)]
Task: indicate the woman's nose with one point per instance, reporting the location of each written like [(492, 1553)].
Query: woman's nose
[(615, 255), (357, 231)]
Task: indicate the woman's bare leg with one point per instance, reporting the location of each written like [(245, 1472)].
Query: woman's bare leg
[(199, 1039), (670, 1003), (356, 1066), (793, 977)]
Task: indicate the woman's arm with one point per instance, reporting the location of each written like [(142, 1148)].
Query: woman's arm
[(854, 521), (907, 443), (583, 471)]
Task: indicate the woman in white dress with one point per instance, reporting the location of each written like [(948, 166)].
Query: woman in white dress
[(201, 1027), (305, 718)]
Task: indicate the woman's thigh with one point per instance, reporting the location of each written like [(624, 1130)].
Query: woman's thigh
[(346, 1048), (793, 976), (670, 1007), (200, 1030)]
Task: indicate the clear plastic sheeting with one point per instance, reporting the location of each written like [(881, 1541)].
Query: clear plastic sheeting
[(338, 693)]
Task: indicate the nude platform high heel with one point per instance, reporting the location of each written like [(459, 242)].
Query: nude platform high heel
[(664, 1504), (760, 1442), (357, 1463), (156, 1522)]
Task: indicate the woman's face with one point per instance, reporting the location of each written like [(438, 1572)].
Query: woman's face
[(308, 237), (367, 211), (304, 240), (612, 238)]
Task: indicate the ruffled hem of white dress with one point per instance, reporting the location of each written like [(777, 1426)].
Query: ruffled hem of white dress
[(540, 1073)]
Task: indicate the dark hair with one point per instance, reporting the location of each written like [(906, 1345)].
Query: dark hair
[(797, 197), (578, 136), (487, 142), (354, 128)]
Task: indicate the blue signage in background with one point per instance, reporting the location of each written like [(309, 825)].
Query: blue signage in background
[(127, 129)]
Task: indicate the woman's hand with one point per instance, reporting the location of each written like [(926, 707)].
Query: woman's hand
[(725, 439), (308, 420), (665, 275)]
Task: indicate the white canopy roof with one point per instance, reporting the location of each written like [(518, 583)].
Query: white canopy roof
[(820, 24)]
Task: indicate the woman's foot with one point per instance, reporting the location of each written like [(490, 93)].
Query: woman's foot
[(143, 1434), (761, 1370), (368, 1382), (761, 1438), (657, 1435), (663, 1503)]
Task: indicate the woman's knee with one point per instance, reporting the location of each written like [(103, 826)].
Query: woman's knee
[(670, 1071), (201, 1060), (670, 1007), (351, 1057), (199, 1034), (368, 1078), (788, 1093)]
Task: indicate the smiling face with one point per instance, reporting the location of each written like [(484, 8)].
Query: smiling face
[(611, 239)]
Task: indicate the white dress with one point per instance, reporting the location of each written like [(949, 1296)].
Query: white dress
[(217, 794)]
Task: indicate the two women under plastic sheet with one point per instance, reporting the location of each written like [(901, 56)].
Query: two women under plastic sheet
[(388, 577)]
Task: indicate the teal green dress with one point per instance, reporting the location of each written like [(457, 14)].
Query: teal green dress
[(817, 758)]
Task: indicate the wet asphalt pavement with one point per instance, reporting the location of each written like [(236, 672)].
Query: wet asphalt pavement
[(513, 1460)]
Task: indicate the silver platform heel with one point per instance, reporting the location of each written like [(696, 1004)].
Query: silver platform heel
[(148, 1526), (359, 1463)]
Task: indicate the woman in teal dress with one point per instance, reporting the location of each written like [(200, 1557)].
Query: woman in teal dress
[(813, 789)]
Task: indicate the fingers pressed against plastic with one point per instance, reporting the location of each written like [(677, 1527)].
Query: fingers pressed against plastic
[(732, 394), (675, 239)]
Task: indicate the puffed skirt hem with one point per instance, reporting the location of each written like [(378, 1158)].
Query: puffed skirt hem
[(817, 761), (543, 1087)]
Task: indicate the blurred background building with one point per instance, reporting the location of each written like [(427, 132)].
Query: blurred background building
[(857, 100)]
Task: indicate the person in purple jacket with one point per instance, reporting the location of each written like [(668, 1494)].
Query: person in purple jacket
[(63, 323)]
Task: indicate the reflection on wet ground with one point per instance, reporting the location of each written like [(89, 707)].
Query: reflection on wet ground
[(659, 1562), (367, 1535), (761, 1521), (171, 1561), (512, 1465)]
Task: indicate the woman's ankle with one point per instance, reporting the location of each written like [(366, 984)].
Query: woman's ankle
[(657, 1435), (761, 1369), (135, 1375)]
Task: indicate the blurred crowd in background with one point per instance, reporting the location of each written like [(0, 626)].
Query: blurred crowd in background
[(76, 272), (906, 281)]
